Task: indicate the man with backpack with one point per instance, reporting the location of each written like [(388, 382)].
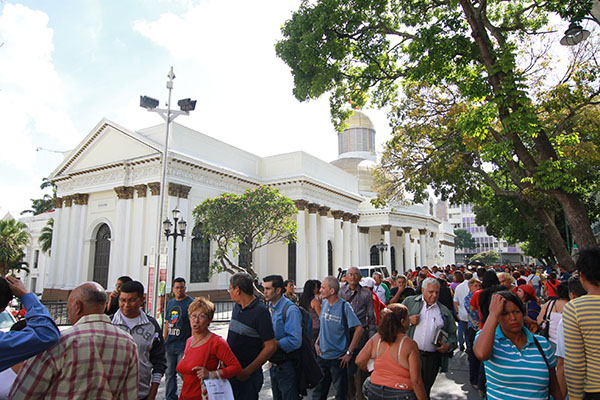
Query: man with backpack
[(334, 346), (288, 337)]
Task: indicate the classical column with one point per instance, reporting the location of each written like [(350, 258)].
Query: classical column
[(55, 266), (64, 236), (136, 255), (311, 239), (347, 244), (423, 246), (121, 239), (364, 245), (323, 219), (354, 240), (79, 221), (338, 247), (387, 259), (301, 270), (408, 249), (399, 254)]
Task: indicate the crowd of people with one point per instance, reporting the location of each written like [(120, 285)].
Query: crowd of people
[(528, 333)]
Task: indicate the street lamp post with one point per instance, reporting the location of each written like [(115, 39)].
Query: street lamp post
[(168, 114), (576, 34), (179, 231), (381, 246)]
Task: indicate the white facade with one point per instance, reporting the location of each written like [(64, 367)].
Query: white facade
[(108, 200), (38, 261)]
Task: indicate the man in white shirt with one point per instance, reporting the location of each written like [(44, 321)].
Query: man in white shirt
[(460, 292)]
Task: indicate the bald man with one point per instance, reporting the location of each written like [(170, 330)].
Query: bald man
[(92, 360)]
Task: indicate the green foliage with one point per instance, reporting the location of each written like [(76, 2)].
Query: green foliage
[(475, 101), (259, 217), (45, 239), (13, 238), (46, 203), (487, 257), (464, 239)]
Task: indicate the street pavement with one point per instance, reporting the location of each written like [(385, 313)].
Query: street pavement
[(453, 385)]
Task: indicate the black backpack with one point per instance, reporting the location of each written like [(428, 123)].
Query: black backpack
[(308, 372)]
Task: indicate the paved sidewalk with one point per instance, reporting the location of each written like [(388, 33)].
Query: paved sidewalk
[(453, 385)]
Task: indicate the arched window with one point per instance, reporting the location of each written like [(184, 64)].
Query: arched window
[(200, 259), (243, 260), (374, 255), (102, 255), (329, 258), (393, 258), (292, 261)]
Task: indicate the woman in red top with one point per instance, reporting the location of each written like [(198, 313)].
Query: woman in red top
[(206, 355), (551, 285), (397, 366)]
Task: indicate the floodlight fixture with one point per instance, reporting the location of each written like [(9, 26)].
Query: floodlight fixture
[(187, 104), (148, 102)]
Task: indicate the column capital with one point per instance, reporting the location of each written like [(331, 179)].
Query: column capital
[(354, 219), (385, 228), (313, 208), (173, 189), (154, 188), (337, 214), (422, 231), (363, 229), (399, 233), (68, 201), (81, 199), (141, 190), (406, 229), (179, 190), (184, 191), (346, 217), (301, 204), (58, 202), (324, 211), (124, 192), (412, 240)]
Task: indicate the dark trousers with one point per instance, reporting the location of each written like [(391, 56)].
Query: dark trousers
[(462, 333), (332, 373), (248, 389), (173, 359), (430, 366), (473, 361), (283, 381)]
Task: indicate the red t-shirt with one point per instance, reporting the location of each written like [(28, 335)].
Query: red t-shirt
[(474, 303), (198, 357), (551, 289)]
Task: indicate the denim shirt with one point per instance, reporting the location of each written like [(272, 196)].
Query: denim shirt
[(290, 335)]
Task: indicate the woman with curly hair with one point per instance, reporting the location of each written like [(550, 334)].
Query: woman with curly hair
[(397, 367)]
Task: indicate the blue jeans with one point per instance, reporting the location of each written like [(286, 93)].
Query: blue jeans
[(332, 373), (462, 332), (173, 359), (248, 389), (380, 392), (283, 381)]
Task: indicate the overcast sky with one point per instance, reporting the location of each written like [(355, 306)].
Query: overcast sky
[(64, 65)]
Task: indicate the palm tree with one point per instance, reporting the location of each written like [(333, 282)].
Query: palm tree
[(13, 238), (45, 239)]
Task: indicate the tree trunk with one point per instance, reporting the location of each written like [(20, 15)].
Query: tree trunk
[(577, 219), (554, 239)]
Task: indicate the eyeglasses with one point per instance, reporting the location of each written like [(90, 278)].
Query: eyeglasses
[(178, 287), (198, 316)]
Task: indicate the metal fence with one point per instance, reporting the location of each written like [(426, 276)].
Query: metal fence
[(58, 311)]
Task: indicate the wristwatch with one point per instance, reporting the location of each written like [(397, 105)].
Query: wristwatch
[(348, 353)]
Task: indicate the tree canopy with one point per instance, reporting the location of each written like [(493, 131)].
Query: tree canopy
[(256, 218), (13, 239), (475, 96), (464, 239), (486, 257)]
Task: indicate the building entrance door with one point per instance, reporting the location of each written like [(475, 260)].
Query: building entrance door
[(102, 256)]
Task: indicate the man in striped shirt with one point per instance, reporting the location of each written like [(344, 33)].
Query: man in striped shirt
[(581, 322), (92, 360)]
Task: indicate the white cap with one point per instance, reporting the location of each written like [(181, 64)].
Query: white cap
[(368, 282)]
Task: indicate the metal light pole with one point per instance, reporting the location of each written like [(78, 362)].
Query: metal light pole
[(381, 246), (576, 34), (151, 104), (179, 231)]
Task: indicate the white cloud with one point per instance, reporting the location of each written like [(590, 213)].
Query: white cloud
[(31, 99)]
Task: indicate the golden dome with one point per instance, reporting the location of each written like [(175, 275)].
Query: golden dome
[(359, 120)]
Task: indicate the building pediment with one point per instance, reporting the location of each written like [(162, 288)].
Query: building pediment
[(107, 144)]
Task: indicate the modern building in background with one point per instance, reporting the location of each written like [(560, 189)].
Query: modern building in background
[(461, 216), (107, 202)]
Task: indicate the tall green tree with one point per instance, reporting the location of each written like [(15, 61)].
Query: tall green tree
[(471, 96), (13, 239), (258, 217), (487, 257), (45, 239), (464, 239)]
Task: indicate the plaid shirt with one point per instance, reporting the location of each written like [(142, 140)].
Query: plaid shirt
[(92, 360), (361, 301)]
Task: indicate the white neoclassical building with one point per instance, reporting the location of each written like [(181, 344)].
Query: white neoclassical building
[(108, 190)]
